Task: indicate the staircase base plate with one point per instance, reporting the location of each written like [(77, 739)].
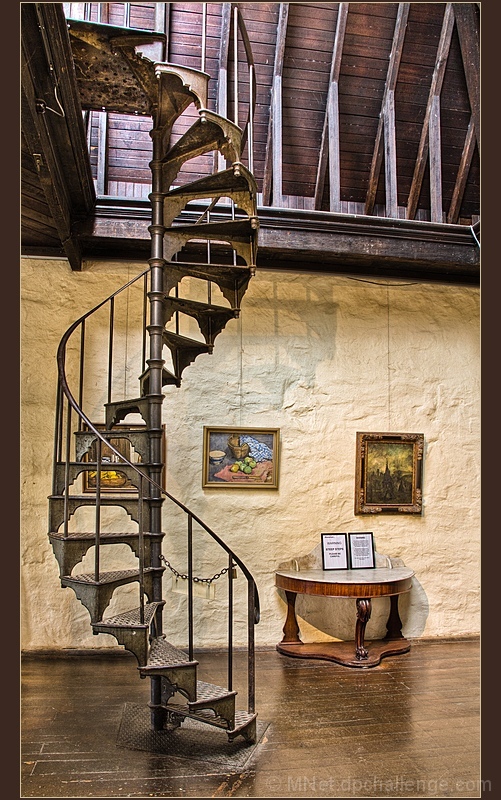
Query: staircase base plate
[(344, 652), (199, 744)]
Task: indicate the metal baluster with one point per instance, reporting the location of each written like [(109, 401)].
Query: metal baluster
[(126, 15), (141, 550), (98, 510), (235, 93), (235, 63), (67, 470), (145, 312), (57, 435), (110, 347), (250, 137), (81, 376), (230, 623), (251, 677), (190, 587)]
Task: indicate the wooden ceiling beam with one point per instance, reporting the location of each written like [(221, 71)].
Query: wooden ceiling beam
[(467, 23), (40, 146), (386, 113), (311, 241), (462, 176), (329, 145), (273, 155), (435, 89), (52, 122)]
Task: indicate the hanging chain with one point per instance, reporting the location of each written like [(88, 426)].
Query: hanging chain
[(195, 578)]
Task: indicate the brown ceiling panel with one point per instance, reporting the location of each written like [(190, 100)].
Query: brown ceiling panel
[(361, 84)]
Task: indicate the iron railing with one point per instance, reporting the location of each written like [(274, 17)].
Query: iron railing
[(67, 407)]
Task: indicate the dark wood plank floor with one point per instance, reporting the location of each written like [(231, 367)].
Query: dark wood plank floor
[(407, 728)]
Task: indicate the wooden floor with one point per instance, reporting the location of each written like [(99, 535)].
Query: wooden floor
[(407, 728)]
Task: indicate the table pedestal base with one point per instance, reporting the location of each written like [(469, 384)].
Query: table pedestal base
[(344, 652)]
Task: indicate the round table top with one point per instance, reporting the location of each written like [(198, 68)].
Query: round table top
[(346, 582)]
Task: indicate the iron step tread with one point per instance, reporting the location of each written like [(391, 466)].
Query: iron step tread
[(130, 619), (237, 176), (212, 268), (114, 464), (107, 577), (187, 143), (242, 718), (168, 378), (82, 536), (209, 691), (197, 305), (232, 228), (108, 499), (164, 654), (236, 183), (184, 343)]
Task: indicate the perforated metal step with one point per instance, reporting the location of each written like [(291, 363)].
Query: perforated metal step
[(130, 619), (163, 653)]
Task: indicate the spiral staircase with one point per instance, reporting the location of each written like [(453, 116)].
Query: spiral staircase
[(80, 441)]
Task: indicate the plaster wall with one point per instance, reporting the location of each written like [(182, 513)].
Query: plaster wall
[(320, 357)]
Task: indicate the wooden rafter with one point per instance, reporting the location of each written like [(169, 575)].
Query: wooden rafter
[(462, 176), (102, 153), (329, 145), (390, 155), (434, 141), (435, 89), (391, 82), (273, 155), (467, 27)]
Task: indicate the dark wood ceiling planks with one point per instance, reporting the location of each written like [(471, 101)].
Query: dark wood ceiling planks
[(429, 63), (361, 108)]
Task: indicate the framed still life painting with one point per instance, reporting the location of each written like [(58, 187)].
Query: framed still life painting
[(241, 458)]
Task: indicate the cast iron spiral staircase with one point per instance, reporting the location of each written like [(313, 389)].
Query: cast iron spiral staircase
[(80, 467)]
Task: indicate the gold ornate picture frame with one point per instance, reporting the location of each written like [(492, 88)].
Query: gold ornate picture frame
[(389, 473)]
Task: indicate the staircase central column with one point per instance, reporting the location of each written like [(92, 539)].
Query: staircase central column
[(155, 364)]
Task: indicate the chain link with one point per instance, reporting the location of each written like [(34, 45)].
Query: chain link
[(195, 578)]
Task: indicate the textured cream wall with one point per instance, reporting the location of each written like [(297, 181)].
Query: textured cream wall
[(320, 357)]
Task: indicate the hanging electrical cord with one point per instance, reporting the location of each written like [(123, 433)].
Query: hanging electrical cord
[(378, 283), (41, 105), (475, 235)]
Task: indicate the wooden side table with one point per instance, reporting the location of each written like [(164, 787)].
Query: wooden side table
[(361, 584)]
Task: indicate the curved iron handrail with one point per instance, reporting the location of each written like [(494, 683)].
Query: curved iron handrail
[(63, 382), (252, 84)]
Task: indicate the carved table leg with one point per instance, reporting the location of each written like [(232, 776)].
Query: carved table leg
[(394, 623), (291, 628), (364, 608)]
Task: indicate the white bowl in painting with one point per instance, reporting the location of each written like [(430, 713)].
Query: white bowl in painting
[(216, 456)]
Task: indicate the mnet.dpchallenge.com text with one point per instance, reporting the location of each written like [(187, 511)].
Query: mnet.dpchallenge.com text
[(396, 786)]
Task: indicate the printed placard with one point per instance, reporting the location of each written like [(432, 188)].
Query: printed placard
[(361, 550), (334, 551)]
